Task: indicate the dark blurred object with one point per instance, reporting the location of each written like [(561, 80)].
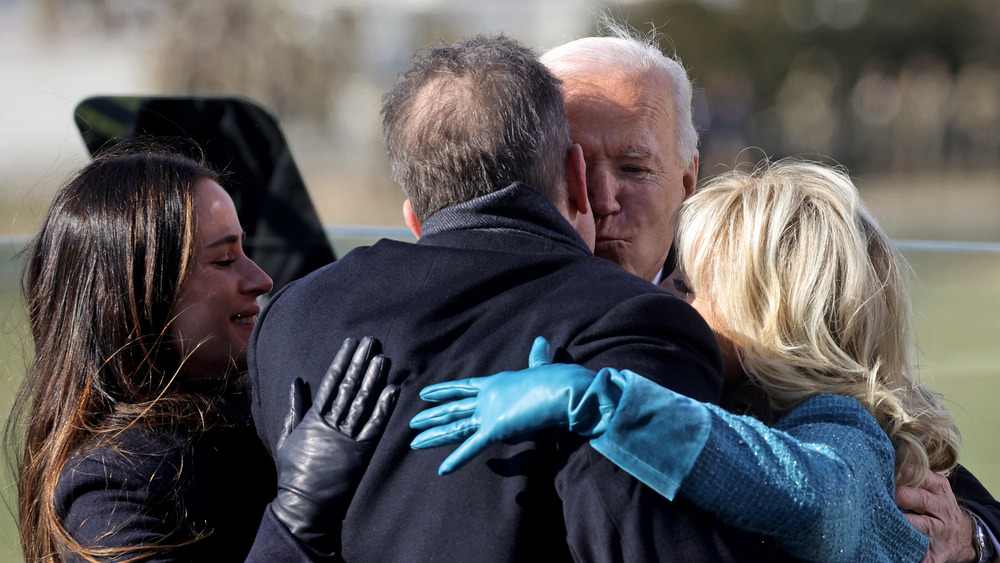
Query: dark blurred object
[(242, 141)]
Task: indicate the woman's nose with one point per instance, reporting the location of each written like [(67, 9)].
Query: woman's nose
[(256, 280)]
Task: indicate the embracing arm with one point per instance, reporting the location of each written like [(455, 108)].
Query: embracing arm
[(812, 482), (819, 482)]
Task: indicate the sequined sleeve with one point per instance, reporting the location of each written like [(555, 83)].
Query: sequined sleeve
[(820, 481)]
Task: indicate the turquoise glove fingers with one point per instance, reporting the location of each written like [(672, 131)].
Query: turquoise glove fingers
[(512, 404), (541, 353), (509, 404), (465, 453), (620, 378), (450, 390), (445, 434), (444, 414)]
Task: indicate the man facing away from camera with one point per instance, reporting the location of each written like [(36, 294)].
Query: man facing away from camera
[(477, 135)]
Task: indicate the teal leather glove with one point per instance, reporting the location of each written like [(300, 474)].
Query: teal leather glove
[(483, 410)]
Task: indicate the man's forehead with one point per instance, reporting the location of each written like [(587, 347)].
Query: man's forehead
[(625, 99), (626, 85), (628, 132)]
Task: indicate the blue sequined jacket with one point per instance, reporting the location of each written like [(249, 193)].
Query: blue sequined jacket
[(820, 481)]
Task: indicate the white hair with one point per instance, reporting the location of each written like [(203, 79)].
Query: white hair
[(623, 48)]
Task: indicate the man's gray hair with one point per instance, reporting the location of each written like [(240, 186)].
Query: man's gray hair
[(470, 118), (622, 47)]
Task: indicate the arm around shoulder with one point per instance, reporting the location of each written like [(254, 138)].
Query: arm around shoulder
[(815, 482), (659, 336)]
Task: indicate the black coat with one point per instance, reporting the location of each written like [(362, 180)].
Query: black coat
[(974, 496), (147, 486), (485, 279)]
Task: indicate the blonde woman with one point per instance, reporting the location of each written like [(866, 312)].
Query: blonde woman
[(809, 301)]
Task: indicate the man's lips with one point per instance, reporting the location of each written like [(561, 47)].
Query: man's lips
[(607, 233), (609, 240)]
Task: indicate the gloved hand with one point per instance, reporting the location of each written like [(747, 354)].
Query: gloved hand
[(323, 454), (485, 410)]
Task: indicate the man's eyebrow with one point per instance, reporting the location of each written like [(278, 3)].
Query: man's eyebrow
[(637, 153), (228, 239)]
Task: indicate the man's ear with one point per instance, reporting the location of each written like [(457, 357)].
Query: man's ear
[(690, 179), (576, 180), (578, 210), (410, 218)]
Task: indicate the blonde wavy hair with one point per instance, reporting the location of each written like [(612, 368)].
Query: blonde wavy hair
[(815, 299)]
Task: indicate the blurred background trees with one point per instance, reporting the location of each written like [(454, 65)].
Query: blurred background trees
[(886, 85), (882, 85)]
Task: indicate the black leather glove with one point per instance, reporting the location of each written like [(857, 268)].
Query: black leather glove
[(323, 454)]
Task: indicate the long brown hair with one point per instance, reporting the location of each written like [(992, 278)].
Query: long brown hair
[(101, 279)]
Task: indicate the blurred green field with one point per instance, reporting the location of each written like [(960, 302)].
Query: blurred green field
[(957, 306), (958, 310), (13, 347)]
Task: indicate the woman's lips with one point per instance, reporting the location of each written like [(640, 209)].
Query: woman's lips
[(246, 317), (244, 320)]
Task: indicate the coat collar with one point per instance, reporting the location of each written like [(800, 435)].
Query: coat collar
[(518, 207)]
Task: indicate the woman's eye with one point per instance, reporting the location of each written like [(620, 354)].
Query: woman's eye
[(682, 287), (225, 263)]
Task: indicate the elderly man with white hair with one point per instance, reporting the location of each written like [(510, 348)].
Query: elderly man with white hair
[(629, 108)]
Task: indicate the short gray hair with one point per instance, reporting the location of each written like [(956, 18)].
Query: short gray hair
[(623, 47)]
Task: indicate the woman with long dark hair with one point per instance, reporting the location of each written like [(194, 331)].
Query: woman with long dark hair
[(137, 441)]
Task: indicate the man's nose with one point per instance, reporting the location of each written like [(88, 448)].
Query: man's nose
[(602, 188)]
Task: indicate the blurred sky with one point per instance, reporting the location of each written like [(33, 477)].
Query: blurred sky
[(41, 81)]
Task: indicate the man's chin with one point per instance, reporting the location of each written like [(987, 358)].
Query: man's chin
[(617, 252)]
